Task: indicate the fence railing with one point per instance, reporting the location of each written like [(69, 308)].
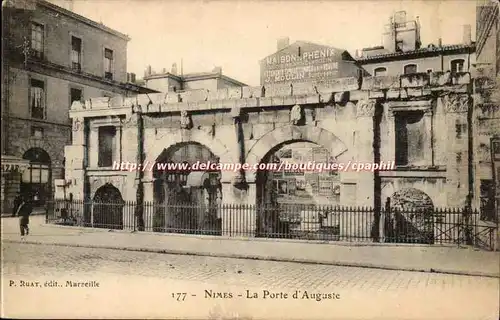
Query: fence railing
[(290, 221)]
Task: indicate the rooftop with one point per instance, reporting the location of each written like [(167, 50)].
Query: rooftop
[(194, 76), (82, 19), (430, 50)]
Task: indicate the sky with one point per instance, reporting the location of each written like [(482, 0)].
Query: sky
[(237, 34)]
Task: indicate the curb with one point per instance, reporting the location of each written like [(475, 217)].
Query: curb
[(264, 258)]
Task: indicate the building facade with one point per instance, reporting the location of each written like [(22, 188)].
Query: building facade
[(175, 81), (402, 51), (486, 112), (51, 57)]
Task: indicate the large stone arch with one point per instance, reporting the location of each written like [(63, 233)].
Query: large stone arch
[(289, 134), (167, 140)]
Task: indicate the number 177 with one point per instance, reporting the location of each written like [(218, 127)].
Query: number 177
[(179, 296)]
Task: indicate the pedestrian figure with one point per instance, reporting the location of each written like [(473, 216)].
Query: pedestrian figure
[(24, 212), (17, 202)]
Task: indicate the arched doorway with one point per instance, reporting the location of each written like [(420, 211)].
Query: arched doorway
[(187, 200), (411, 219), (36, 181), (107, 211), (284, 196)]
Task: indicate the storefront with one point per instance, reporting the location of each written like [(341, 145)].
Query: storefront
[(12, 170)]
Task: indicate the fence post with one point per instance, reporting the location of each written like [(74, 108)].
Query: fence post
[(468, 218), (132, 204), (47, 211)]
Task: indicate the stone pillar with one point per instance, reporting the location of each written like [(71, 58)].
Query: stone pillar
[(148, 205), (118, 147), (390, 149), (78, 128), (365, 111), (238, 212), (93, 147), (429, 134), (148, 185), (457, 173)]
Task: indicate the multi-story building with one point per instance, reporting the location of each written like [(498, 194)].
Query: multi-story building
[(486, 113), (51, 57), (177, 81), (402, 51)]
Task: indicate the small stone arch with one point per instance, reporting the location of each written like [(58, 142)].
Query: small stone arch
[(411, 199), (107, 209), (410, 219)]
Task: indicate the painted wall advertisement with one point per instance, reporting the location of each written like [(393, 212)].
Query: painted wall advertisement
[(304, 63)]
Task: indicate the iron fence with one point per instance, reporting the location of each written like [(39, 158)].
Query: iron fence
[(289, 221)]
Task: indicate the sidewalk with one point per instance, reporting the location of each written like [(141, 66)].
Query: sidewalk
[(453, 260)]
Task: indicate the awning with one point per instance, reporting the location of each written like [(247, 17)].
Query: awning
[(12, 164), (196, 178)]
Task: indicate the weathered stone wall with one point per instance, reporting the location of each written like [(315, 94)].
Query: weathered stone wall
[(353, 121)]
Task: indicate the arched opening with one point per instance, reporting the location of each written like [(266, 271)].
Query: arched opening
[(410, 68), (36, 181), (107, 211), (187, 200), (284, 196), (380, 71), (411, 218), (457, 65)]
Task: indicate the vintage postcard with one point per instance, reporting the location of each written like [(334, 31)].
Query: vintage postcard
[(168, 159)]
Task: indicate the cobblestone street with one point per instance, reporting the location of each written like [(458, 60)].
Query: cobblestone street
[(153, 281)]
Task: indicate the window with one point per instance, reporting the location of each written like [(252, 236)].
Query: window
[(410, 68), (457, 65), (487, 200), (410, 130), (37, 132), (75, 95), (76, 53), (495, 146), (37, 40), (107, 146), (37, 99), (108, 64), (380, 71), (399, 45)]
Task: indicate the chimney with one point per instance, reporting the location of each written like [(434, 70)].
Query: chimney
[(283, 43), (218, 70), (148, 71), (132, 77), (467, 40), (174, 69), (128, 77)]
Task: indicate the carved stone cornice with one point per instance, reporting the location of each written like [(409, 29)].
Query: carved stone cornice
[(365, 108), (456, 103)]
